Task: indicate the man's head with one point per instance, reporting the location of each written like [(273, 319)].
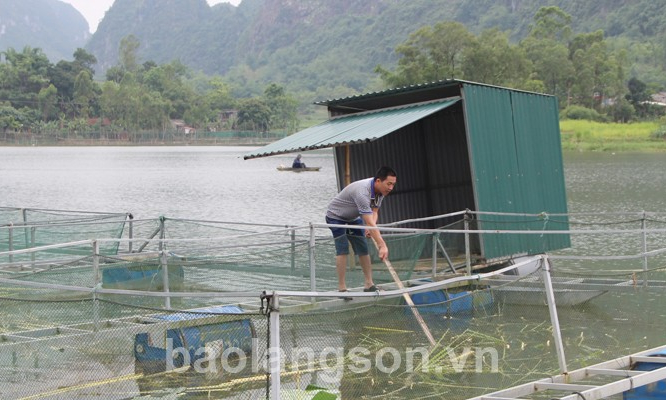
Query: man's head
[(385, 179)]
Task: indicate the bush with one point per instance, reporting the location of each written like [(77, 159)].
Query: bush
[(660, 133), (579, 112), (621, 111)]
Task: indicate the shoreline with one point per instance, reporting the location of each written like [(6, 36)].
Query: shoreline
[(125, 143), (575, 135)]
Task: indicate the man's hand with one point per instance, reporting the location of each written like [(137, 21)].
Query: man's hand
[(383, 252)]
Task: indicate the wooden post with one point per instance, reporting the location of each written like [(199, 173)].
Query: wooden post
[(347, 165)]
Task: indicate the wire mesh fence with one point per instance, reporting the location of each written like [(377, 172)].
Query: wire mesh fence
[(186, 313)]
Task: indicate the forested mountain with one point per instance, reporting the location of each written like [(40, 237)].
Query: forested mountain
[(334, 46), (259, 66), (51, 25), (316, 46)]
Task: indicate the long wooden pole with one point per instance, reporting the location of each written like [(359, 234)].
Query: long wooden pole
[(408, 299)]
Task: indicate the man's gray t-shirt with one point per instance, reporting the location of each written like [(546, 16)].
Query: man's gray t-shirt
[(355, 199)]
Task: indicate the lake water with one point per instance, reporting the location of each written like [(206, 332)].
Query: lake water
[(215, 183), (212, 183)]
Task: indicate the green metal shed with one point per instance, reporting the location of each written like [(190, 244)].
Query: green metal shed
[(455, 145)]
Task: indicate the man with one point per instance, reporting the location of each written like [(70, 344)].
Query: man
[(297, 162), (358, 204)]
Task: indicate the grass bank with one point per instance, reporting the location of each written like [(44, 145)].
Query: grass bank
[(595, 136)]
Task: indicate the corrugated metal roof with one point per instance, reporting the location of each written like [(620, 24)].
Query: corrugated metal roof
[(415, 88), (388, 92), (353, 128)]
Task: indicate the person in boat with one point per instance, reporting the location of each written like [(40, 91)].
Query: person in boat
[(358, 205), (297, 162)]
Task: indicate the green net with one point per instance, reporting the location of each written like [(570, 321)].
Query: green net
[(29, 228), (127, 323)]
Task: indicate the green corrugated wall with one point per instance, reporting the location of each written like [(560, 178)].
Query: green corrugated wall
[(516, 161)]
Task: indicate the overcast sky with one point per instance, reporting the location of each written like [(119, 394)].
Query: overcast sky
[(93, 10)]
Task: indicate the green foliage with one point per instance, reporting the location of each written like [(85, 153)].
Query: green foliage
[(11, 119), (129, 45), (168, 81), (84, 93), (254, 115), (587, 77), (318, 50), (492, 59), (430, 54), (22, 76), (580, 112), (659, 134), (621, 111), (597, 136), (551, 23), (282, 107)]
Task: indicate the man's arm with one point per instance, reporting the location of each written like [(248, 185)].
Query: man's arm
[(371, 220)]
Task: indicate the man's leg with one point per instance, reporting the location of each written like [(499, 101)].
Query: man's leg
[(367, 270), (341, 267), (341, 251)]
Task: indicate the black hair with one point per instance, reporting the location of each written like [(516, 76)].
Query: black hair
[(384, 172)]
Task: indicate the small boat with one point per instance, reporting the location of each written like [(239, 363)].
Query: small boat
[(303, 169)]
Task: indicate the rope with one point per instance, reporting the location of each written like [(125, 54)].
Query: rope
[(545, 221)]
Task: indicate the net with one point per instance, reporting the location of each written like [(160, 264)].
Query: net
[(181, 309)]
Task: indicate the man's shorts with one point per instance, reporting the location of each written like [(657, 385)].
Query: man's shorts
[(344, 236)]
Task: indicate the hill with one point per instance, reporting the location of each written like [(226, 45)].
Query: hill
[(333, 46), (55, 27), (316, 48)]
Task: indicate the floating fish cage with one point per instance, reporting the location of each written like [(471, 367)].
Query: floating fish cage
[(197, 308)]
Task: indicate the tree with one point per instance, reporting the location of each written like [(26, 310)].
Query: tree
[(547, 46), (551, 23), (253, 114), (132, 106), (621, 111), (638, 96), (219, 96), (199, 114), (84, 61), (551, 65), (596, 70), (22, 76), (283, 108), (10, 119), (430, 54), (62, 76), (129, 46), (168, 81), (491, 59), (84, 93), (48, 100)]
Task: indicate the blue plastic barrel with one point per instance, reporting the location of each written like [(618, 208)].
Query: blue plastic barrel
[(656, 390), (187, 344), (441, 302)]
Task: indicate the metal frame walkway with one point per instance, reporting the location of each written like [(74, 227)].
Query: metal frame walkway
[(618, 368)]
